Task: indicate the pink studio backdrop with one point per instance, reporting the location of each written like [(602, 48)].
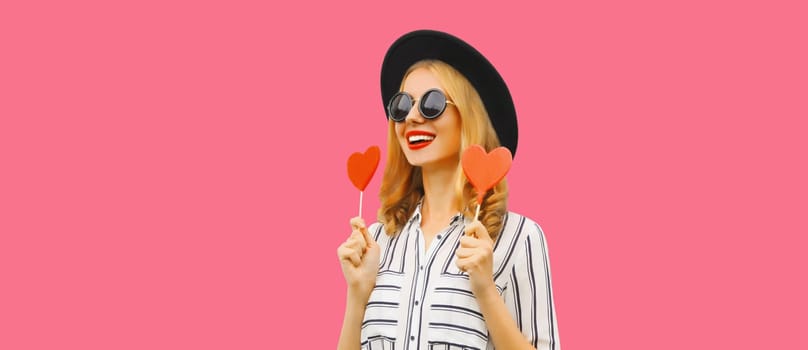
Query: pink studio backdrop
[(173, 173)]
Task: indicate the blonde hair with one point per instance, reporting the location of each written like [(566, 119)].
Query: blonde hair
[(402, 184)]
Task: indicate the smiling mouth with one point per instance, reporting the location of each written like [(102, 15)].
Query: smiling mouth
[(419, 139)]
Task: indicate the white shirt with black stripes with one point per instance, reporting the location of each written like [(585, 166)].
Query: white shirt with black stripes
[(422, 301)]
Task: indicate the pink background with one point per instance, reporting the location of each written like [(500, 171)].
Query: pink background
[(173, 174)]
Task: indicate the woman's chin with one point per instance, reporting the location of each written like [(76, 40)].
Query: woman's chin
[(430, 161)]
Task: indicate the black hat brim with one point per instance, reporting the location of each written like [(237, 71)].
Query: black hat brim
[(429, 44)]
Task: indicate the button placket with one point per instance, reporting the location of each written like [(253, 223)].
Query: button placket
[(427, 254), (419, 286)]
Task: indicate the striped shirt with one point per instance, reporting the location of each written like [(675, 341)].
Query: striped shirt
[(422, 301)]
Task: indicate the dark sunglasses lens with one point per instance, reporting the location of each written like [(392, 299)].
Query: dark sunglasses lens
[(432, 104), (399, 107)]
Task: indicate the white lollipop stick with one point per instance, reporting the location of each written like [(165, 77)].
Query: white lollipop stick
[(360, 202), (477, 214)]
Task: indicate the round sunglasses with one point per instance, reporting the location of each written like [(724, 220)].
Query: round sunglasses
[(433, 103)]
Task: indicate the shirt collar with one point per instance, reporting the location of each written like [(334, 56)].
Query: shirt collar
[(415, 219)]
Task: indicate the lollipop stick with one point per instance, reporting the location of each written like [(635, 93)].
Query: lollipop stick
[(360, 202), (477, 214)]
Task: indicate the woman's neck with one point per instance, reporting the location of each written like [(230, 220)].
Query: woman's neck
[(439, 194)]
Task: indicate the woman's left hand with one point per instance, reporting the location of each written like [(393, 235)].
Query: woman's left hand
[(475, 257)]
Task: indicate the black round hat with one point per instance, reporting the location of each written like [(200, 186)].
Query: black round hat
[(429, 44)]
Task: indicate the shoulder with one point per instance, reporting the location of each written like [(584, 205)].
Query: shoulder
[(521, 228), (376, 230), (530, 249)]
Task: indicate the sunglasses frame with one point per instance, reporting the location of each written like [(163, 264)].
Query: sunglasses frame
[(414, 101)]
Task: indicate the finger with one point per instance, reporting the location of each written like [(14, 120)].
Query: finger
[(342, 251), (477, 229), (369, 241), (359, 237), (465, 252), (356, 260), (471, 229), (353, 244), (466, 265), (357, 223), (461, 264), (469, 242), (352, 255)]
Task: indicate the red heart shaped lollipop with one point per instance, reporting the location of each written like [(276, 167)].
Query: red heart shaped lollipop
[(362, 166), (484, 170)]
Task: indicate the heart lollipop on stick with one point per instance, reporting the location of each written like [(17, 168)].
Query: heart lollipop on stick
[(361, 167), (485, 170)]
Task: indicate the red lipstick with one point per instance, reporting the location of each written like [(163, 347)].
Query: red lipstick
[(417, 139)]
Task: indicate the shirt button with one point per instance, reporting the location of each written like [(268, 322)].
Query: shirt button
[(412, 337), (422, 267), (438, 236), (416, 303)]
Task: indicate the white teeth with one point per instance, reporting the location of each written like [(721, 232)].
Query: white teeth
[(417, 138)]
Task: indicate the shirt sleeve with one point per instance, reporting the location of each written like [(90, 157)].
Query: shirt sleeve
[(529, 294)]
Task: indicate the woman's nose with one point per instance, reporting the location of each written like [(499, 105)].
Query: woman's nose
[(414, 116)]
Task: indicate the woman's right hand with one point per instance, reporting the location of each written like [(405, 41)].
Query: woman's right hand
[(359, 257)]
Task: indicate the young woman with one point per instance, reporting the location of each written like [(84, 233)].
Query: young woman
[(428, 275)]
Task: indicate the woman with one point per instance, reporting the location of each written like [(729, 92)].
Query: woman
[(428, 275)]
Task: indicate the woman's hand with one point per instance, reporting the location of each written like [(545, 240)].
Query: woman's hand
[(475, 256), (359, 257)]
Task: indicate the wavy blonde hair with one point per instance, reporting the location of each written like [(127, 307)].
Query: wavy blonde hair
[(402, 184)]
